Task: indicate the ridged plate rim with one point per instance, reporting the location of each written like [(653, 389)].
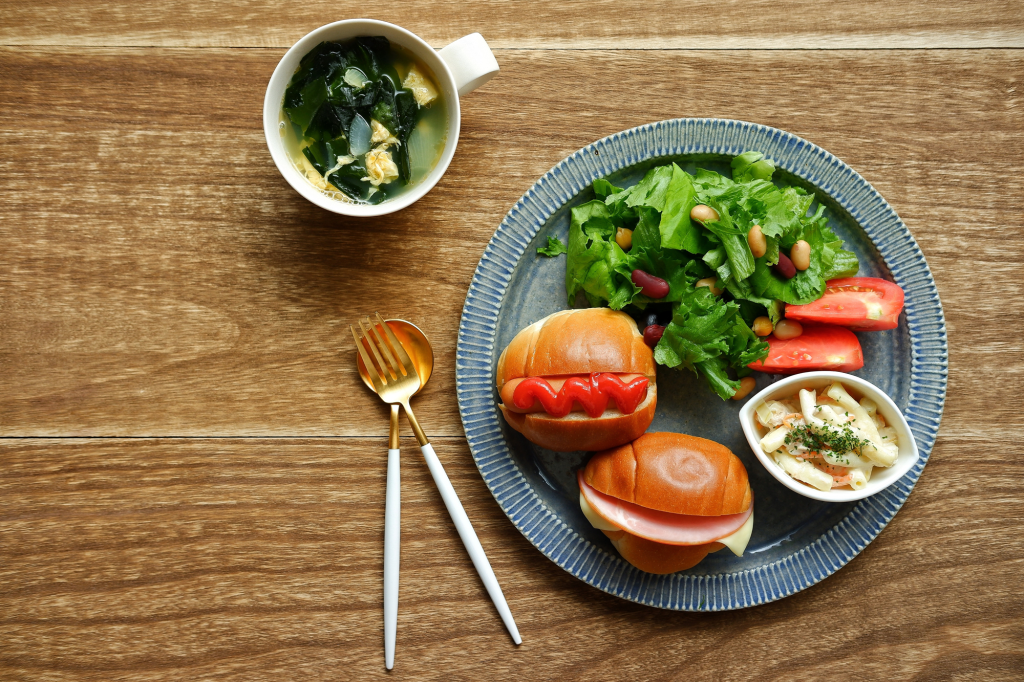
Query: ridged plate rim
[(476, 345)]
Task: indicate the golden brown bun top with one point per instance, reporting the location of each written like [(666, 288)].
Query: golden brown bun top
[(673, 472), (577, 342)]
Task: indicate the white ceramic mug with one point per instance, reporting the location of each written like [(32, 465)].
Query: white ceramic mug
[(459, 68)]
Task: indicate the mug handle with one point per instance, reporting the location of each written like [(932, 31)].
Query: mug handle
[(471, 61)]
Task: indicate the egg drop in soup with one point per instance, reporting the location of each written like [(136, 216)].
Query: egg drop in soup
[(363, 120)]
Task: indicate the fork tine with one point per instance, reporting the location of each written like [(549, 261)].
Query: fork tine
[(386, 371), (399, 350), (396, 368), (375, 377)]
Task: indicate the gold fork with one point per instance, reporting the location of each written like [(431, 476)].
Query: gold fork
[(395, 380)]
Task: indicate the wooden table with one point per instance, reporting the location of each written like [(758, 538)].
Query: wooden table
[(191, 479)]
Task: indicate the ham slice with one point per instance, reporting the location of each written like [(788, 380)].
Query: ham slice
[(659, 526)]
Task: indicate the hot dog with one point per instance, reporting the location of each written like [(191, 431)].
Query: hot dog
[(578, 380), (667, 500)]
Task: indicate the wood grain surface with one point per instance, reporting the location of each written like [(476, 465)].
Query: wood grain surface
[(251, 559), (178, 286), (609, 24), (191, 479)]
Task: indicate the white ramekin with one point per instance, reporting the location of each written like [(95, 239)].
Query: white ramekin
[(880, 477)]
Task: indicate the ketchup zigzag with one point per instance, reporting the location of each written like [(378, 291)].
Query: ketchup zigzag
[(592, 393)]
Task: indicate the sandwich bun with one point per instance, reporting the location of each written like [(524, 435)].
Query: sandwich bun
[(654, 557), (579, 342), (667, 500)]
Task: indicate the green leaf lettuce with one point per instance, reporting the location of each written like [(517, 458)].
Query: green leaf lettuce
[(554, 247)]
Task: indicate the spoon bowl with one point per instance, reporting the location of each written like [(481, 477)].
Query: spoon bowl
[(416, 345)]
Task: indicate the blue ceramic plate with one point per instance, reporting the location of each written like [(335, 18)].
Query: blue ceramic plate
[(796, 541)]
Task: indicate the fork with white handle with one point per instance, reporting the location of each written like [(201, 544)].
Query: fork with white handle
[(395, 380), (392, 546)]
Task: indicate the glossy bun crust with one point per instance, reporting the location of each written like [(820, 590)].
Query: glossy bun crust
[(577, 431), (580, 342), (674, 473), (655, 557), (577, 342)]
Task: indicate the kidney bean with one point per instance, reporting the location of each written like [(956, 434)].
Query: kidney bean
[(650, 286), (652, 334), (785, 266)]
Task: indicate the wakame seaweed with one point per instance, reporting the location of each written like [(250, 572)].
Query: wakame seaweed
[(336, 82)]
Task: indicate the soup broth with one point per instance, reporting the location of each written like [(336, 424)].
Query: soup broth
[(363, 120)]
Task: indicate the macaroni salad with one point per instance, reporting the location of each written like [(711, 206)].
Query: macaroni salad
[(828, 440)]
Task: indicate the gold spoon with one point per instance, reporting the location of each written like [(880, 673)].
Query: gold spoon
[(396, 379), (416, 345), (422, 356)]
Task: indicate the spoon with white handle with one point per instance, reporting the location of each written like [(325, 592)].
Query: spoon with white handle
[(396, 382), (422, 356)]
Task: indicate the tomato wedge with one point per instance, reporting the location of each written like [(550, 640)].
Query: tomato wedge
[(861, 303), (819, 347)]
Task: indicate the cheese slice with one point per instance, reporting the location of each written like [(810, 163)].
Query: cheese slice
[(737, 542), (595, 520)]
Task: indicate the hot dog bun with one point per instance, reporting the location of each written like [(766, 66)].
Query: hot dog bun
[(579, 342), (674, 473), (577, 431)]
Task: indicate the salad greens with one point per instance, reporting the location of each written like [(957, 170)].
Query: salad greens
[(709, 334), (554, 247)]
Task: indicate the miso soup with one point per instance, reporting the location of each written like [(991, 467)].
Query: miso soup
[(363, 120)]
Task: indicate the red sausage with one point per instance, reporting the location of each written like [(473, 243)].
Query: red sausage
[(592, 393)]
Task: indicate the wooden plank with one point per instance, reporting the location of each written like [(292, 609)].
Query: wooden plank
[(170, 283), (261, 560), (602, 24)]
